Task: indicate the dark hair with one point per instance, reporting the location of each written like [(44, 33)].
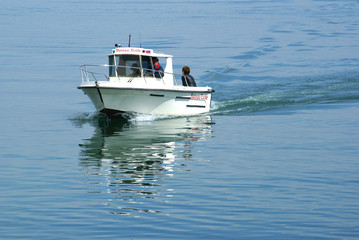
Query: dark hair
[(186, 70)]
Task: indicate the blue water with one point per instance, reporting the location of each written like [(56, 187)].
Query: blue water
[(276, 158)]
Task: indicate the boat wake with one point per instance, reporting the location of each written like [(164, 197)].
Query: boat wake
[(98, 118), (260, 95), (268, 94)]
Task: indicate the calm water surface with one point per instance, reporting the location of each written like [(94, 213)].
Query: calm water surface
[(276, 158)]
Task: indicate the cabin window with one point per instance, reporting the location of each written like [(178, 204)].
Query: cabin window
[(124, 65), (128, 65), (111, 63), (147, 65)]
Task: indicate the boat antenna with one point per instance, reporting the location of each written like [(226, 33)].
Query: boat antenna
[(140, 41), (129, 40)]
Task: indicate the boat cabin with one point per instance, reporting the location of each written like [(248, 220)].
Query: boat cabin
[(128, 64)]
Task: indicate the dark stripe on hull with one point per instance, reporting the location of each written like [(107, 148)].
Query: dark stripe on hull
[(157, 95), (183, 98), (196, 106)]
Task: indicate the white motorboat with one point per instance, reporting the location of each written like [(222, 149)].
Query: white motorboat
[(130, 84)]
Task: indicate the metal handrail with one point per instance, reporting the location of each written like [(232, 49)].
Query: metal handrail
[(85, 72)]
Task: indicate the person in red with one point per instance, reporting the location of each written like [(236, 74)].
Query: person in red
[(159, 72)]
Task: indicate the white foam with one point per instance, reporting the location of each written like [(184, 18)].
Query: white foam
[(143, 118)]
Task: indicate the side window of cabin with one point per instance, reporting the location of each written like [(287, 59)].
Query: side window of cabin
[(111, 63), (162, 61), (146, 64)]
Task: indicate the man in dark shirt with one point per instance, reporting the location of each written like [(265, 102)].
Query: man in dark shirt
[(187, 80)]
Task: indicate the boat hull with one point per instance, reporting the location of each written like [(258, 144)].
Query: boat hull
[(169, 102)]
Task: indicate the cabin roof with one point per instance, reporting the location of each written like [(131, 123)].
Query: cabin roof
[(137, 51)]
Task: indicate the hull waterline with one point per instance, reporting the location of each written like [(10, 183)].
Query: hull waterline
[(118, 101)]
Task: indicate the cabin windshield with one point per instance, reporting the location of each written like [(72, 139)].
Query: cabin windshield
[(124, 66), (130, 65), (146, 64)]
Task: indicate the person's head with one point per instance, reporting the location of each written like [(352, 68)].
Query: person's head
[(155, 60), (186, 70), (134, 66)]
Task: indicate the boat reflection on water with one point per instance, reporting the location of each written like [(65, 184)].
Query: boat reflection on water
[(130, 161)]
